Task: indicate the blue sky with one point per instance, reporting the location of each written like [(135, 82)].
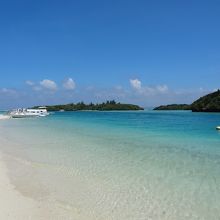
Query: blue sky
[(144, 52)]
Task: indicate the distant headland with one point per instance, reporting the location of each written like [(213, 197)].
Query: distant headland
[(173, 107), (105, 106), (207, 103)]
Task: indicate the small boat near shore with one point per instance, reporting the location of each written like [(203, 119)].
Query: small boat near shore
[(218, 128), (28, 113)]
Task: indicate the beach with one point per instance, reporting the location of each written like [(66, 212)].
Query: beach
[(109, 110), (110, 165), (14, 205)]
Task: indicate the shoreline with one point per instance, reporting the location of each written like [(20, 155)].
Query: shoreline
[(15, 205)]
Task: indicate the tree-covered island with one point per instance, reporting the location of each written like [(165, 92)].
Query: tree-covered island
[(173, 107), (207, 103), (105, 106)]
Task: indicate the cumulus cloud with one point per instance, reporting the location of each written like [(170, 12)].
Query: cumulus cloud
[(69, 84), (48, 84), (135, 84), (45, 92)]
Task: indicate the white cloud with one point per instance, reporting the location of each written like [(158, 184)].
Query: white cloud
[(48, 84), (29, 83), (44, 92), (135, 84), (69, 84)]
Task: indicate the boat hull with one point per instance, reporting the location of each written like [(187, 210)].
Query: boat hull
[(24, 116), (29, 113)]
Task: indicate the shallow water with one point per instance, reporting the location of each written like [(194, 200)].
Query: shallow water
[(118, 165)]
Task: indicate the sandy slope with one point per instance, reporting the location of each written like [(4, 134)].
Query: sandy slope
[(13, 205)]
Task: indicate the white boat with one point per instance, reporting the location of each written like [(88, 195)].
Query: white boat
[(29, 113), (218, 128)]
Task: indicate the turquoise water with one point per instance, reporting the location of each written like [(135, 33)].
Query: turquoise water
[(119, 165)]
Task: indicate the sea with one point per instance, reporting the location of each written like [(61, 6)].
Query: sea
[(134, 165)]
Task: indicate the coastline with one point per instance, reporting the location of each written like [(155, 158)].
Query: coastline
[(15, 205)]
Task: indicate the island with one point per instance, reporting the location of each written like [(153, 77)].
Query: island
[(105, 106), (207, 103), (173, 107)]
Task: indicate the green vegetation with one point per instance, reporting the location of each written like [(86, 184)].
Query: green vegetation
[(173, 107), (208, 103), (105, 106)]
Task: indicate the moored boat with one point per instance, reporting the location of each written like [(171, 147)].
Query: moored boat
[(29, 113)]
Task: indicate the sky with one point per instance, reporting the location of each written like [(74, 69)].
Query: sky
[(146, 52)]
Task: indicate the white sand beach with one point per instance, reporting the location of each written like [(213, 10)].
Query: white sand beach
[(14, 205)]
